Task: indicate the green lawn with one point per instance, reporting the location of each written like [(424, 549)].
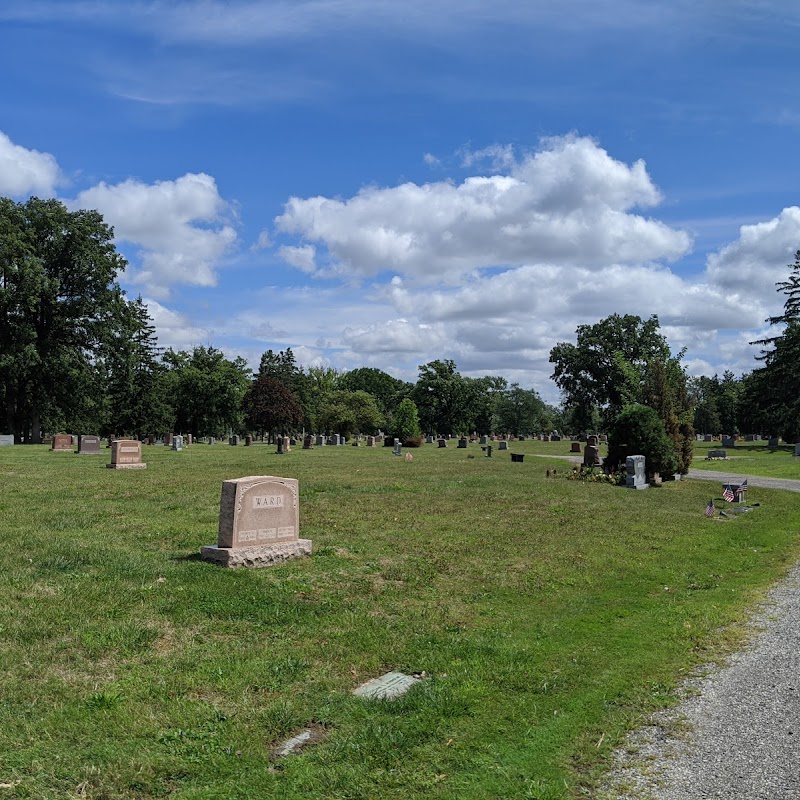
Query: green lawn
[(550, 615), (750, 458)]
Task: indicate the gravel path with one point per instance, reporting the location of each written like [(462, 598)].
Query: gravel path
[(741, 738), (752, 480)]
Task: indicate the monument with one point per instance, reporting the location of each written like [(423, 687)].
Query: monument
[(636, 477), (126, 454), (259, 523), (89, 445)]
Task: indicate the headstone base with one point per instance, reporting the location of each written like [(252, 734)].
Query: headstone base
[(637, 485), (127, 466), (265, 556)]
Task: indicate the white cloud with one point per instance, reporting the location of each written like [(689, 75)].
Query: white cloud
[(175, 329), (26, 172), (752, 265), (568, 203), (395, 336), (500, 156), (431, 160), (178, 227), (302, 258)]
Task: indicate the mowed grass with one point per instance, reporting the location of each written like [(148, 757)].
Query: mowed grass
[(549, 616), (750, 458)]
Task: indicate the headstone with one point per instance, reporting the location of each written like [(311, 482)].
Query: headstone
[(370, 441), (576, 447), (386, 687), (749, 437), (398, 448), (61, 443), (248, 440), (287, 447), (442, 442), (797, 449), (320, 441), (177, 443), (168, 440), (636, 477), (592, 441), (773, 442), (334, 440), (6, 439), (89, 445), (715, 454), (259, 523), (489, 449), (503, 445), (188, 439), (233, 441), (591, 455), (308, 442), (484, 439), (517, 457), (708, 437), (126, 454), (279, 443), (604, 438), (462, 442), (555, 437), (429, 439), (728, 441), (151, 440)]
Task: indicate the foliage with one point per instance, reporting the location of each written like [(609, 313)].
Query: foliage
[(637, 430), (387, 391), (405, 422), (607, 365), (59, 303), (269, 407), (521, 411), (347, 413), (444, 398), (207, 390)]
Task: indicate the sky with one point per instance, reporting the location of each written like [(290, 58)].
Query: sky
[(387, 183)]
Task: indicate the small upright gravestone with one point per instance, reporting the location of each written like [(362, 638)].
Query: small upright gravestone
[(177, 443), (708, 438), (308, 442), (728, 441), (168, 440), (6, 439), (773, 442), (89, 445), (429, 439), (233, 441), (248, 440), (398, 448), (503, 445), (320, 441), (591, 454), (279, 442), (126, 454), (212, 440), (61, 443), (370, 441), (335, 439), (462, 442), (575, 447), (636, 477), (259, 523), (797, 449), (484, 439), (287, 444), (442, 442)]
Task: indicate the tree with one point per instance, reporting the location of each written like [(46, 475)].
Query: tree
[(269, 407), (778, 381), (207, 390), (346, 413), (136, 381), (406, 421), (59, 303), (388, 391), (637, 430), (606, 367), (443, 398), (521, 411)]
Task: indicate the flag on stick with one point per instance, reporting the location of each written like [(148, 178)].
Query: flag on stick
[(728, 495), (710, 509), (740, 492)]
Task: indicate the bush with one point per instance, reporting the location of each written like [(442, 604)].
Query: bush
[(639, 431), (413, 441), (406, 421)]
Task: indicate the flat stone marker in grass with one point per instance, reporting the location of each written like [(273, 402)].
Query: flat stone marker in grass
[(126, 454), (259, 523), (386, 687)]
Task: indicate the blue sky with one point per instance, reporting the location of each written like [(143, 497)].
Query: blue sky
[(381, 184)]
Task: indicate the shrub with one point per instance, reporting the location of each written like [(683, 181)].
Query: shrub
[(638, 430), (406, 421), (413, 441)]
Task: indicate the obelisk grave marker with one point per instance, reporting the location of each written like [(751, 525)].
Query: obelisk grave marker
[(259, 523)]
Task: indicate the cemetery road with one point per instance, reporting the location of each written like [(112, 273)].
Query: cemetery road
[(752, 480)]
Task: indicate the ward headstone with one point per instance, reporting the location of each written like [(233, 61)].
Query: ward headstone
[(259, 523)]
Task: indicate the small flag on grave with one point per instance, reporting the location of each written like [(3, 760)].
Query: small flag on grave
[(710, 509), (741, 491), (727, 495)]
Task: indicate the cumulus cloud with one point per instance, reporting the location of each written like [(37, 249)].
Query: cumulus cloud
[(178, 228), (26, 172), (302, 258), (568, 203), (174, 329), (757, 260), (395, 336)]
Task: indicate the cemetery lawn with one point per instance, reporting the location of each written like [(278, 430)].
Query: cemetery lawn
[(750, 458), (548, 615)]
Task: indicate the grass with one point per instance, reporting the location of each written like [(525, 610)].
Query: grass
[(750, 458), (549, 616)]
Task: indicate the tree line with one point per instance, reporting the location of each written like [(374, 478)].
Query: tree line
[(77, 355)]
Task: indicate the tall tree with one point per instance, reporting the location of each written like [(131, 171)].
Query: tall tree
[(346, 413), (521, 411), (59, 301), (269, 407), (388, 391), (443, 398)]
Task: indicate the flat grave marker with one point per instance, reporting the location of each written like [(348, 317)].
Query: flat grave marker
[(386, 687)]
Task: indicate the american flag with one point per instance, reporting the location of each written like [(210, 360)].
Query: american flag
[(740, 492), (710, 509), (728, 495)]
